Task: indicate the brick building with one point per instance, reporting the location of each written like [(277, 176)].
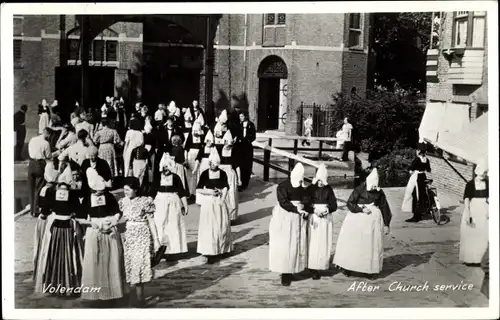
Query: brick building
[(455, 121), (266, 62)]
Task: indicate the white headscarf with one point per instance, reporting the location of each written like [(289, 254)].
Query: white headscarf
[(177, 112), (166, 161), (96, 182), (209, 137), (201, 120), (372, 180), (481, 167), (54, 104), (214, 156), (297, 175), (66, 177), (228, 137), (109, 100), (218, 129), (321, 175), (50, 174), (223, 116), (147, 126), (44, 103), (187, 115), (196, 127), (172, 107)]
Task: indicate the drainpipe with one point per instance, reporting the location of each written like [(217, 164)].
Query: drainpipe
[(245, 54)]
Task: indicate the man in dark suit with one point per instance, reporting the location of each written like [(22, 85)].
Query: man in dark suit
[(164, 143), (20, 131), (246, 135)]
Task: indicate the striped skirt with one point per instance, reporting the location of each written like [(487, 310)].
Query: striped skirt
[(107, 152), (59, 263), (103, 265)]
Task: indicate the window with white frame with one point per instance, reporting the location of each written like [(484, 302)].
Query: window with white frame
[(99, 50), (469, 29), (274, 30), (355, 31)]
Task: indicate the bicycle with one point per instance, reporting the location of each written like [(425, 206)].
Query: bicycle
[(434, 206)]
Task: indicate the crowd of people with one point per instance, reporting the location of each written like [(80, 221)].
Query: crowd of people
[(168, 159), (171, 158)]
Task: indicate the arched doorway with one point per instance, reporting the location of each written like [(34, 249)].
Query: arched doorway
[(273, 75)]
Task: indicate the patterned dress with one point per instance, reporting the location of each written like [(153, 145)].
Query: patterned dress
[(138, 241), (107, 138)]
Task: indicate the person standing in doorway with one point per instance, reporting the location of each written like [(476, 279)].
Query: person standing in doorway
[(308, 129), (39, 152), (20, 131), (347, 130)]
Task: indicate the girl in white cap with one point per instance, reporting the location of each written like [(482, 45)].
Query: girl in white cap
[(44, 113), (228, 165), (474, 226), (360, 245), (220, 130), (188, 123), (320, 223), (193, 147), (214, 231), (140, 238), (44, 205), (61, 254), (171, 207), (202, 162), (103, 262), (288, 228)]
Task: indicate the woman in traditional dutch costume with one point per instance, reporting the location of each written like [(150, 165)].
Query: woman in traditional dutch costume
[(202, 162), (60, 261), (133, 139), (140, 239), (193, 147), (139, 164), (416, 199), (228, 165), (44, 210), (360, 245), (474, 225), (188, 124), (103, 265), (288, 228), (171, 207), (214, 231), (323, 204)]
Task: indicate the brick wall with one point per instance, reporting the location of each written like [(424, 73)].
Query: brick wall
[(446, 179)]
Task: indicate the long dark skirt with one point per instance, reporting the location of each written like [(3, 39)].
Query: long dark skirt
[(64, 257), (420, 205), (245, 161)]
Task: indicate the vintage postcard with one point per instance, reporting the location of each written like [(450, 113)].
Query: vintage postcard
[(302, 160)]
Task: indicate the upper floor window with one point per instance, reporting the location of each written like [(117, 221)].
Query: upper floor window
[(355, 31), (18, 42), (274, 30), (99, 50), (18, 26), (275, 19), (17, 51), (469, 29), (437, 22)]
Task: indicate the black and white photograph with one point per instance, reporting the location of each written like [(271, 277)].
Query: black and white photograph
[(331, 161)]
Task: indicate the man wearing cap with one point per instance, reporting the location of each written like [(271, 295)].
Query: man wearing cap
[(39, 152)]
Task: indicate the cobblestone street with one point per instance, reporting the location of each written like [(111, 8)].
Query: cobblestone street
[(415, 254)]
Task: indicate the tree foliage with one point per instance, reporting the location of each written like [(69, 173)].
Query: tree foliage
[(400, 43), (383, 121)]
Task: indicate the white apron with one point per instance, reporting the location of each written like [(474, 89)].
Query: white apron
[(320, 240), (170, 222), (474, 238), (408, 198), (232, 193), (214, 230), (192, 177), (139, 168), (287, 241), (180, 170), (360, 246)]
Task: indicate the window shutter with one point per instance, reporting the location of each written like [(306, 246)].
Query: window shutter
[(269, 36), (280, 36)]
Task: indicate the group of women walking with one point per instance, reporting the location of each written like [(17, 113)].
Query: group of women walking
[(301, 227), (77, 243)]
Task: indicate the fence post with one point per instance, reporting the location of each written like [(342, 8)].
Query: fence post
[(320, 150), (291, 162), (267, 159), (301, 116)]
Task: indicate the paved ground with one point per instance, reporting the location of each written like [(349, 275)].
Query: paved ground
[(414, 254)]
